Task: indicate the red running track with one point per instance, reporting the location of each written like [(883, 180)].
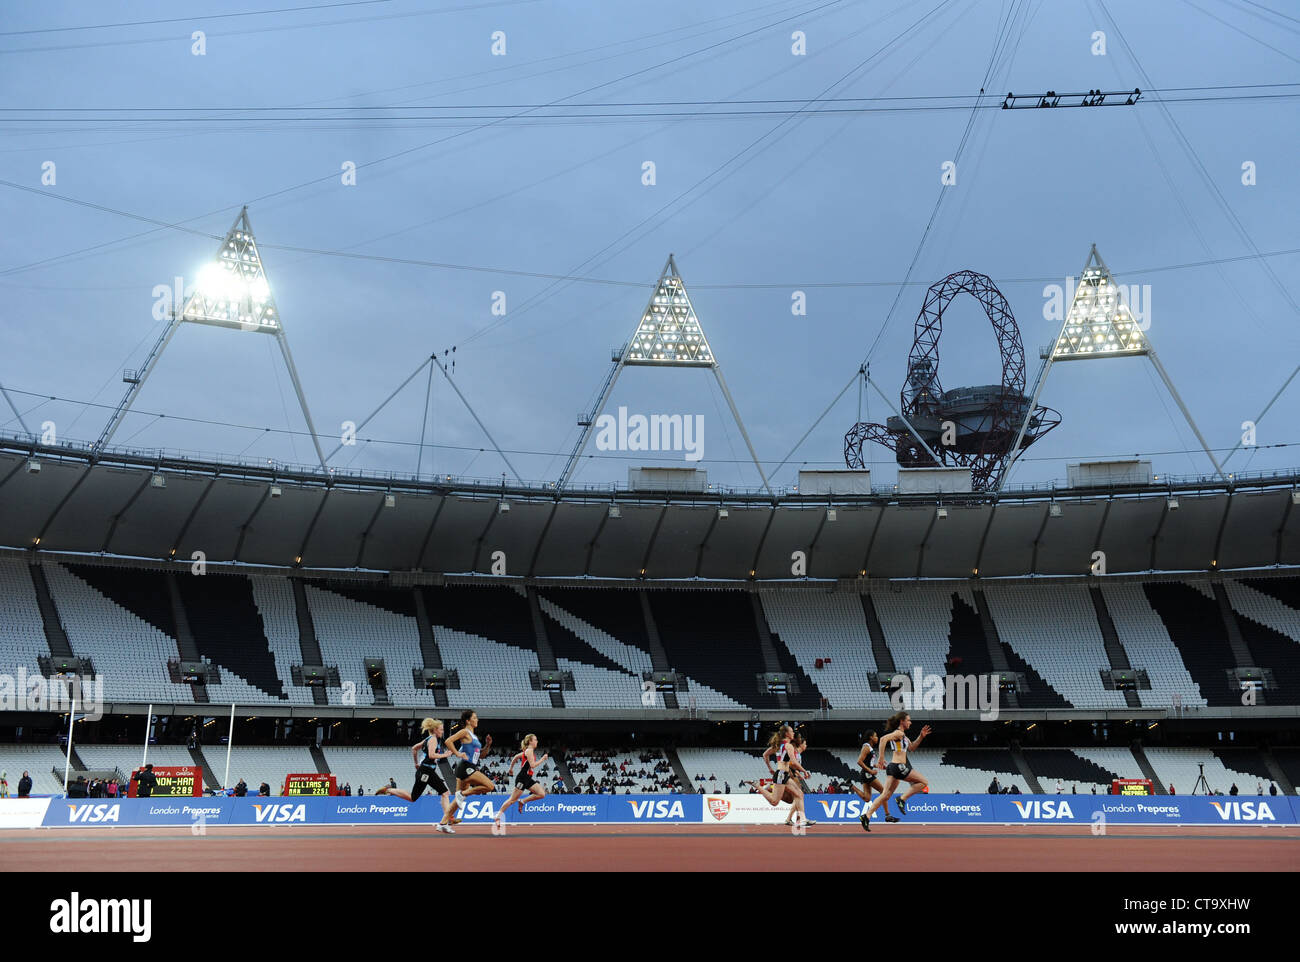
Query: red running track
[(649, 848)]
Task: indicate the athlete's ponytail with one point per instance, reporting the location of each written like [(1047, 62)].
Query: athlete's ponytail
[(896, 720), (523, 745), (779, 735), (430, 725), (466, 715)]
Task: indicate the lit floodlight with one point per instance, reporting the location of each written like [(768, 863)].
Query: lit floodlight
[(669, 334), (232, 289), (1098, 321)]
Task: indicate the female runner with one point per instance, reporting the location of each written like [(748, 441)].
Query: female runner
[(426, 771), (470, 779), (867, 761), (899, 769), (528, 764), (783, 786)]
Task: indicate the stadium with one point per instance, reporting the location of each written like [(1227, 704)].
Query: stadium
[(1075, 625)]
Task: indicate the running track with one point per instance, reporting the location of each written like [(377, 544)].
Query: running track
[(642, 848)]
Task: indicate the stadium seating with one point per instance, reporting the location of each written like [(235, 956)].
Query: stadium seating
[(829, 627), (22, 632), (259, 763), (350, 631), (1054, 628), (128, 652), (126, 758), (1147, 642), (248, 626), (44, 763), (274, 600), (625, 769), (1180, 767)]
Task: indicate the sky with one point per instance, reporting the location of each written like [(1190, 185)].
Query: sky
[(466, 189)]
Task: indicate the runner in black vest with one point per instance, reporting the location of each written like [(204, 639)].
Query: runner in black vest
[(870, 765), (525, 782), (425, 754)]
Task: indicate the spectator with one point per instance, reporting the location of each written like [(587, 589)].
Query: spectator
[(4, 785), (347, 788), (1060, 787), (995, 788), (361, 789), (1259, 788), (25, 786), (78, 788), (1233, 790), (726, 788), (392, 783), (111, 789), (1172, 790), (1094, 789), (241, 788), (1015, 789), (1074, 788), (1272, 788), (145, 782), (264, 789)]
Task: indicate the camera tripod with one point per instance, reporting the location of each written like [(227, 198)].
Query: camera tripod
[(1201, 782)]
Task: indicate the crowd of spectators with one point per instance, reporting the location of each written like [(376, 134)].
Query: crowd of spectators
[(600, 772)]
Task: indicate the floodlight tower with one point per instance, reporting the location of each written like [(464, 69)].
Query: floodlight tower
[(1100, 325), (669, 334), (231, 292)]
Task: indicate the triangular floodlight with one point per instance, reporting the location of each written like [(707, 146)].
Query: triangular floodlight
[(1098, 323), (232, 290), (669, 333)]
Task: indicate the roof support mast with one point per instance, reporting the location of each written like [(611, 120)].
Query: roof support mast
[(669, 334), (231, 292)]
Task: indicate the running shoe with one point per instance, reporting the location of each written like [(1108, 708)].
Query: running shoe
[(866, 822), (902, 807), (892, 818)]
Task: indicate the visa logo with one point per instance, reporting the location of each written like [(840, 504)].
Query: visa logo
[(1245, 811), (280, 813), (1050, 808), (474, 809), (841, 808), (657, 809), (93, 813)]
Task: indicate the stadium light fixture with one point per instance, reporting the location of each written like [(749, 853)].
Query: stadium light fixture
[(614, 512), (33, 466), (942, 514), (830, 514), (723, 513), (1054, 510), (390, 501), (158, 481), (275, 491), (1295, 497), (503, 507), (1172, 504)]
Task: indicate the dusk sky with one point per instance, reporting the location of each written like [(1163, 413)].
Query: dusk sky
[(486, 186)]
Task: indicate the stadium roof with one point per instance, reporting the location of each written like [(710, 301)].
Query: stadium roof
[(158, 507)]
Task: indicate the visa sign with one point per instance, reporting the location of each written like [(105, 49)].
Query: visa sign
[(280, 813)]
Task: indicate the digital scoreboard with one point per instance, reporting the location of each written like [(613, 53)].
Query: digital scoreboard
[(172, 782), (1131, 786), (313, 784)]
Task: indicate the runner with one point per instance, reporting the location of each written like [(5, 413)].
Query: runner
[(426, 771)]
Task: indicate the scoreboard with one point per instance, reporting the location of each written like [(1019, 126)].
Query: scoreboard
[(173, 782), (1131, 786), (313, 784)]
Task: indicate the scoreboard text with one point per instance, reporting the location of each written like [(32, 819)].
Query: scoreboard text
[(175, 782), (313, 784)]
